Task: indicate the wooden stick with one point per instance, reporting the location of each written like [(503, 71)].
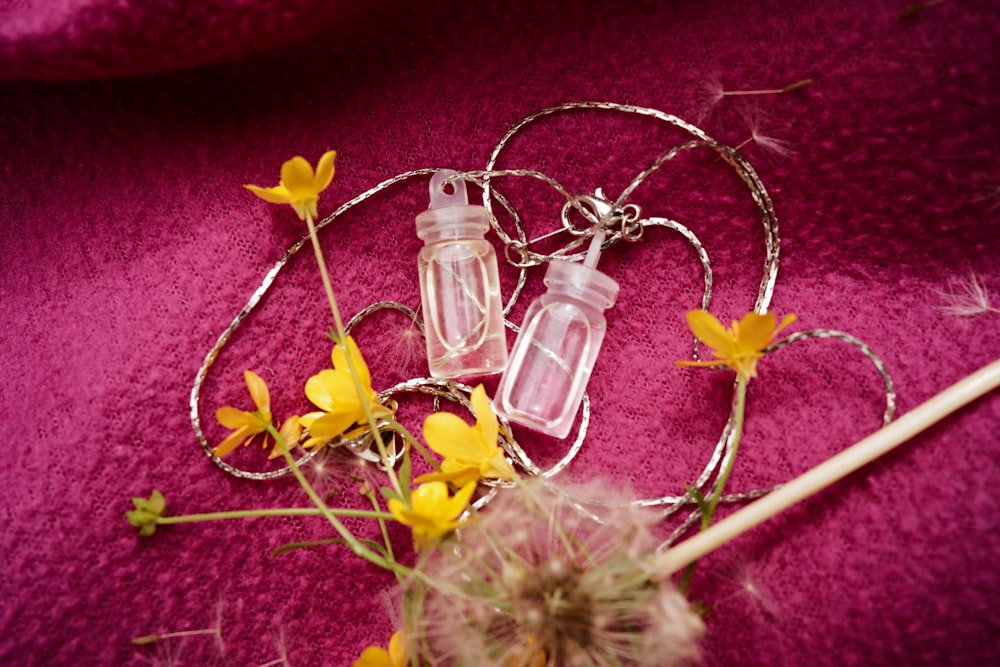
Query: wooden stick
[(835, 468)]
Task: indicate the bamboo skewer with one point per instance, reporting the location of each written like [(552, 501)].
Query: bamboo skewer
[(833, 469)]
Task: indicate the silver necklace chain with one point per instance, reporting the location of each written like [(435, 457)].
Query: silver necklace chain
[(621, 221)]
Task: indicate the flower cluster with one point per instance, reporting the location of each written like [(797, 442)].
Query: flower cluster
[(536, 580)]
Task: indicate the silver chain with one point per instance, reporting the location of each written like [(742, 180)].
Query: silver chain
[(620, 221)]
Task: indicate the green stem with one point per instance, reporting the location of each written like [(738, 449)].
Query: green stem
[(342, 340), (416, 444), (287, 511), (355, 545), (325, 276), (727, 468), (720, 486), (381, 525)]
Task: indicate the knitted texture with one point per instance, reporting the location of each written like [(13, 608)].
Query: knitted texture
[(128, 246)]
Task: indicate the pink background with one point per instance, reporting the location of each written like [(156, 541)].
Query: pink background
[(127, 129)]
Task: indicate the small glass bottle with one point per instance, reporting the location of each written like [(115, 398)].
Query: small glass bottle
[(459, 285), (556, 349)]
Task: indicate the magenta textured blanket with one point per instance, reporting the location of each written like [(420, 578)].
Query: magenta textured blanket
[(128, 244)]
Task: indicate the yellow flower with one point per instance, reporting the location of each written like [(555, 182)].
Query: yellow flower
[(290, 432), (432, 514), (376, 656), (741, 345), (334, 393), (298, 185), (247, 425), (470, 452)]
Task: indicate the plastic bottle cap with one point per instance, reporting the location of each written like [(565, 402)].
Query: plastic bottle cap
[(450, 215), (582, 282)]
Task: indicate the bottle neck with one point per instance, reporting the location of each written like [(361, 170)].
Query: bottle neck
[(444, 233), (580, 283), (588, 299)]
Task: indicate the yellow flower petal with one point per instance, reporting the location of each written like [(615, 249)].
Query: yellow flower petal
[(324, 171), (459, 477), (497, 466), (291, 433), (232, 441), (397, 649), (332, 424), (301, 208), (276, 195), (432, 514), (299, 186), (233, 418), (448, 435), (486, 419), (332, 390), (742, 345), (709, 330), (297, 176), (785, 321), (754, 331), (430, 499), (373, 656), (469, 452), (259, 393), (461, 499), (339, 358)]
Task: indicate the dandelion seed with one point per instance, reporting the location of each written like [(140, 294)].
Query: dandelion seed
[(337, 466), (407, 347), (166, 655), (779, 147), (966, 298), (766, 91), (771, 144), (537, 581), (745, 578), (152, 639), (716, 92)]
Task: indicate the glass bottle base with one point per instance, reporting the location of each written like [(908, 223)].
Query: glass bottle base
[(470, 364)]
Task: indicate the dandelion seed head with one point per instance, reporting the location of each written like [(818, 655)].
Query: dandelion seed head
[(536, 578)]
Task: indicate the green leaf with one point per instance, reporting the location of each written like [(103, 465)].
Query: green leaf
[(377, 547), (699, 498), (405, 472), (292, 546), (390, 494)]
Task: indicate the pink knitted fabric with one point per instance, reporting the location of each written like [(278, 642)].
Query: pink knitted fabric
[(128, 128)]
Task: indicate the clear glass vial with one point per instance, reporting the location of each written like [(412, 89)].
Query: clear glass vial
[(459, 285), (556, 349)]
